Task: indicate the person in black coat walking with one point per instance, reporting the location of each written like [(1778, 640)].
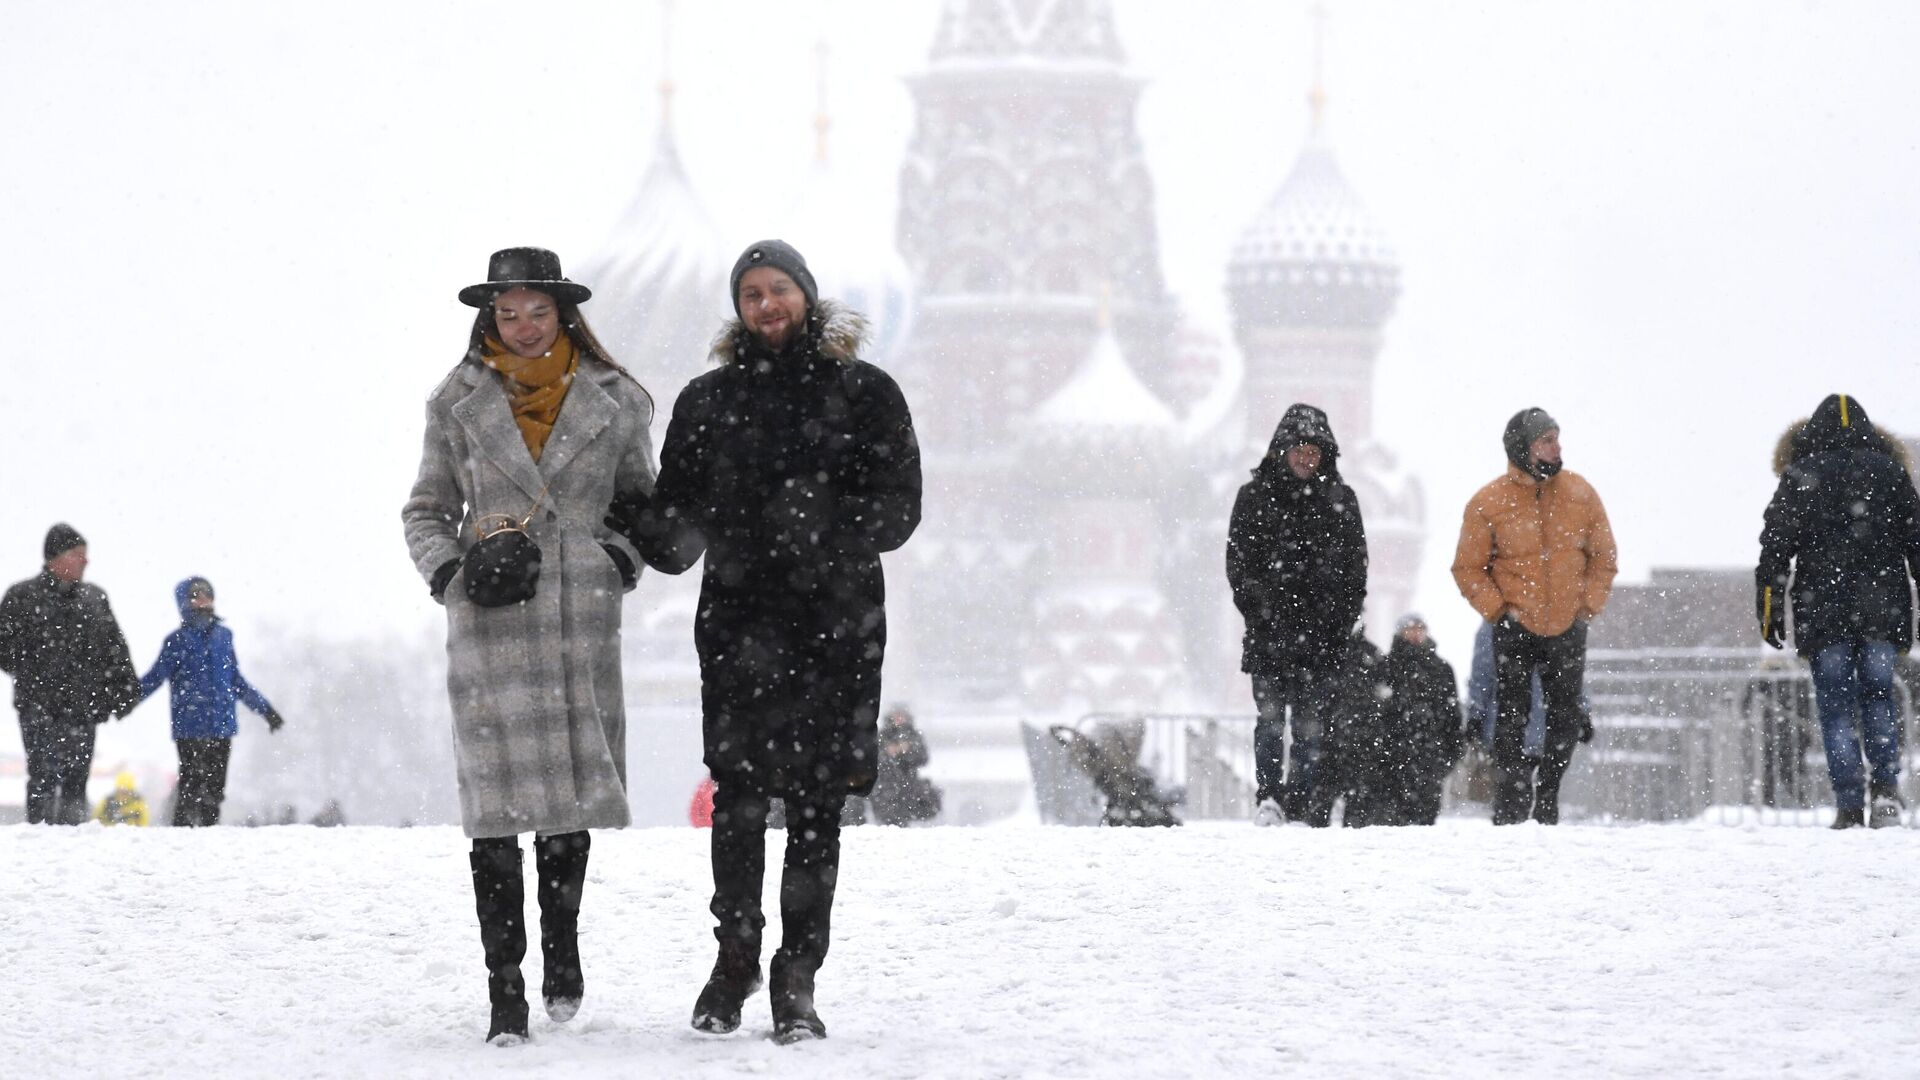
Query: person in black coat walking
[(1423, 734), (1840, 549), (71, 671), (1297, 562), (791, 466)]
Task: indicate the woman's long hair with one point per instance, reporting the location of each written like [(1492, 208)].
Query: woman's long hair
[(571, 321)]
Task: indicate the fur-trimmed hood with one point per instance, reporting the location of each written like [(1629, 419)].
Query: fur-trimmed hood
[(841, 331), (1796, 442)]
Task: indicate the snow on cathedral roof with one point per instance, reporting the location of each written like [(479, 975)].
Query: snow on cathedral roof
[(1065, 30), (1315, 238), (1104, 396), (660, 280)]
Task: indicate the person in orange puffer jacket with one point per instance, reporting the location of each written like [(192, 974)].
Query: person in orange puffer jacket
[(1536, 559)]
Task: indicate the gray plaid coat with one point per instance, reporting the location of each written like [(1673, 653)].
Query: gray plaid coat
[(539, 724)]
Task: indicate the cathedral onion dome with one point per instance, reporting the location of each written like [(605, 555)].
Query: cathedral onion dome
[(660, 281), (1313, 256), (1103, 420), (1071, 31)]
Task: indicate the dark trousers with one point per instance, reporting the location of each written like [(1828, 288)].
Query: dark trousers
[(1303, 700), (1561, 662), (808, 874), (203, 781), (59, 757)]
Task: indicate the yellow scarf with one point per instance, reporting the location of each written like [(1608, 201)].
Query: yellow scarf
[(535, 388)]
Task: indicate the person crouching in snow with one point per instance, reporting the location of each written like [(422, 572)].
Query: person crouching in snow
[(792, 465), (199, 661), (124, 806)]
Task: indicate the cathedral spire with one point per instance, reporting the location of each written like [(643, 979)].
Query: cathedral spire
[(1317, 94), (666, 64)]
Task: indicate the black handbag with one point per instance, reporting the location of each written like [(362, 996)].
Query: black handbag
[(503, 567)]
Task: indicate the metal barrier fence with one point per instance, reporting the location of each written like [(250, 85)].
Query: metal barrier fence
[(1730, 747)]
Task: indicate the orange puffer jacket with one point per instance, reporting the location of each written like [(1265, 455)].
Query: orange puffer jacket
[(1541, 550)]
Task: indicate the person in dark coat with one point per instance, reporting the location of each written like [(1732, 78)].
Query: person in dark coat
[(199, 661), (791, 466), (1424, 738), (71, 672), (1297, 563), (900, 794), (528, 440), (1355, 762), (1840, 549)]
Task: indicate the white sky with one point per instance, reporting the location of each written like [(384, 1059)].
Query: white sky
[(231, 234)]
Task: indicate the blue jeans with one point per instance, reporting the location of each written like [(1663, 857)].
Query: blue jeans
[(1853, 684)]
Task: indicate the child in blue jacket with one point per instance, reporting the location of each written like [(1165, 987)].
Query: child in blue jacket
[(198, 659)]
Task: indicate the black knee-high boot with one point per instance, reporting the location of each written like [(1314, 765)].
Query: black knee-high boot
[(500, 899), (561, 863), (739, 864), (809, 875)]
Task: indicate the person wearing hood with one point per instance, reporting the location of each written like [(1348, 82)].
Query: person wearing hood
[(791, 466), (71, 672), (1839, 550), (1423, 729), (529, 439), (199, 662), (124, 805), (1297, 564), (1536, 558)]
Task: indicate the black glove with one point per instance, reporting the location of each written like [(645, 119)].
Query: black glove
[(274, 720), (628, 576), (438, 587), (1770, 606)]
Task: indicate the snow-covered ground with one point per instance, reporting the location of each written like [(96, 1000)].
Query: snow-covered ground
[(998, 952)]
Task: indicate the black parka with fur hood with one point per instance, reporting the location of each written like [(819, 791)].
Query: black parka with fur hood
[(1844, 529), (792, 473)]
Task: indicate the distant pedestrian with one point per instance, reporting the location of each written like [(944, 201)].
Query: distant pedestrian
[(791, 466), (1840, 550), (901, 795), (1536, 558), (124, 805), (1297, 564), (529, 439), (1424, 733), (71, 672), (199, 662)]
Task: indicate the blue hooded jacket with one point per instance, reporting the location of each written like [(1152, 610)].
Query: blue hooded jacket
[(199, 660)]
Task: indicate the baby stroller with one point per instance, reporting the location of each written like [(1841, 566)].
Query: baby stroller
[(1110, 758)]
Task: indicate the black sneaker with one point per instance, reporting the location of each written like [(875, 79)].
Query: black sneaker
[(1886, 808), (1849, 818)]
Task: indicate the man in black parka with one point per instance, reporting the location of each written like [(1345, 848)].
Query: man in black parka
[(1297, 562), (1841, 546), (71, 671), (792, 466)]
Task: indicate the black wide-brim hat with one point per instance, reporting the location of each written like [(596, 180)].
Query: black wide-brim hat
[(524, 267)]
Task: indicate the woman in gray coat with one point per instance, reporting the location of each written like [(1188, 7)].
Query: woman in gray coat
[(537, 429)]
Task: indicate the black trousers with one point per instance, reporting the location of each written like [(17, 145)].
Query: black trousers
[(1301, 785), (809, 873), (203, 781), (1561, 661), (59, 758)]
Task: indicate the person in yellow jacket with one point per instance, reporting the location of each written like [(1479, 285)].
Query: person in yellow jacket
[(125, 806), (1536, 559)]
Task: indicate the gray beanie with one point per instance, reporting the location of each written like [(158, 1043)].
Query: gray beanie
[(61, 539), (781, 256)]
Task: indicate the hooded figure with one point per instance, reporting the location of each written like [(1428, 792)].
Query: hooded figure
[(1297, 564), (1536, 558), (199, 662), (791, 466), (1840, 548)]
